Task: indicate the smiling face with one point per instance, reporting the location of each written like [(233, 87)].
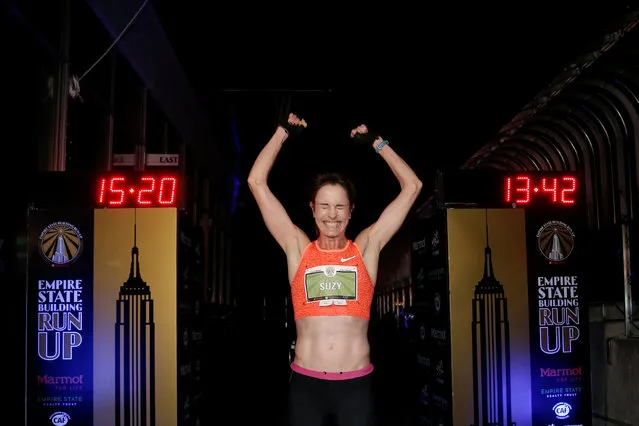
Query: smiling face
[(332, 210)]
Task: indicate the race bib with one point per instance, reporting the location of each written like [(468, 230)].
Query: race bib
[(331, 284)]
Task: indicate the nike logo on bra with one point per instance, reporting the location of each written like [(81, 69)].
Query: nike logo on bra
[(347, 259)]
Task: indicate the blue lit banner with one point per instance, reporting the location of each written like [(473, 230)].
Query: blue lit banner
[(559, 333), (59, 323)]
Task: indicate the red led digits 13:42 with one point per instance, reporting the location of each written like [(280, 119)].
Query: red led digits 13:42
[(525, 189), (145, 191)]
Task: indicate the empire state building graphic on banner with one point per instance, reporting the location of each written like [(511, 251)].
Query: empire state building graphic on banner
[(555, 251), (59, 256)]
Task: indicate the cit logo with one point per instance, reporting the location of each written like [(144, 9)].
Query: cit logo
[(562, 410), (59, 418)]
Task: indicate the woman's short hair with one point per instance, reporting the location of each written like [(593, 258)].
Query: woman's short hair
[(332, 178)]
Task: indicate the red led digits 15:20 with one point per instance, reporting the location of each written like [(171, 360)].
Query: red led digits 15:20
[(145, 191)]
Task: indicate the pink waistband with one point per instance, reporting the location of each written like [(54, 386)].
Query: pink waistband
[(341, 375)]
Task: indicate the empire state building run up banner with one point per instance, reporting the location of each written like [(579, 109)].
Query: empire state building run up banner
[(559, 335), (59, 326)]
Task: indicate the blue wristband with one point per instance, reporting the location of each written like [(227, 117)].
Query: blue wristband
[(381, 145)]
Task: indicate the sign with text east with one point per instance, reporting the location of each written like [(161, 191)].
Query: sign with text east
[(59, 323)]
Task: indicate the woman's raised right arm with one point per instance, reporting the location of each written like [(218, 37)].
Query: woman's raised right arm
[(275, 216)]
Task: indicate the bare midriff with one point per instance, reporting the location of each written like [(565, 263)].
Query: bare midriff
[(332, 343)]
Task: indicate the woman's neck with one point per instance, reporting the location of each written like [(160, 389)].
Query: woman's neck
[(332, 243)]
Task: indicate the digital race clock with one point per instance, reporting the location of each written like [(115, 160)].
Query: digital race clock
[(138, 189), (538, 190), (526, 189)]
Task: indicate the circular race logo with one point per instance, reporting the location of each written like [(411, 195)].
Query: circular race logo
[(60, 243), (330, 271), (555, 241)]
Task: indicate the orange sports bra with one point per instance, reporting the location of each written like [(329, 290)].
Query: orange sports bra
[(332, 282)]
